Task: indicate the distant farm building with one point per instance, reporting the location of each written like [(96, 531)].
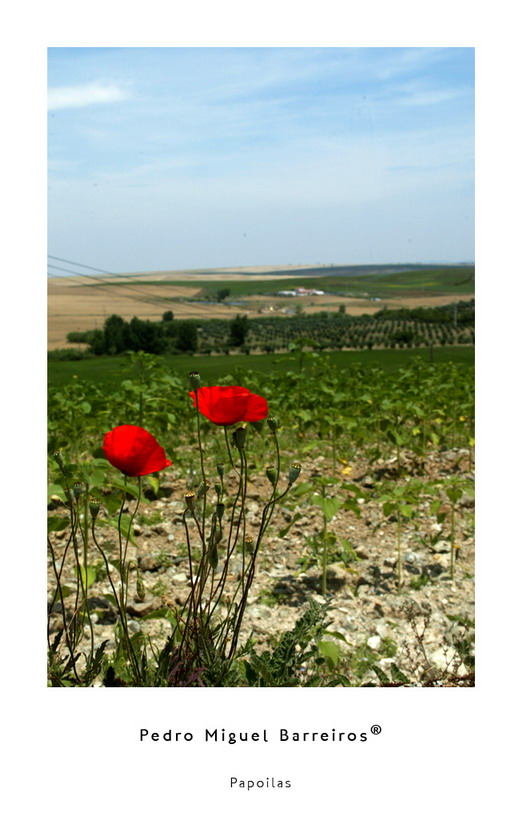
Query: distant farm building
[(301, 292)]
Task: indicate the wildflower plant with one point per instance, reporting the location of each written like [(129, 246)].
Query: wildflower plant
[(217, 524), (222, 550)]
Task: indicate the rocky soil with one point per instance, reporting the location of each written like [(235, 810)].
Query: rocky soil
[(424, 629)]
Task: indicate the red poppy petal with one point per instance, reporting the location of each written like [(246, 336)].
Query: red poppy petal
[(226, 405), (134, 451), (155, 462), (257, 408), (229, 404)]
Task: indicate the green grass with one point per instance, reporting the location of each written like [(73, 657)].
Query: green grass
[(110, 371)]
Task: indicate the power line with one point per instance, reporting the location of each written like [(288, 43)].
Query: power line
[(150, 298), (79, 265), (65, 270)]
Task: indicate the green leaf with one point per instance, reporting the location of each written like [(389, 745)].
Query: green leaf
[(66, 591), (328, 506), (162, 613), (314, 682), (97, 478), (380, 673), (288, 527), (330, 651), (153, 483), (130, 488), (351, 504), (304, 416), (462, 620), (308, 448), (454, 493), (302, 488), (213, 556), (355, 490), (389, 507), (112, 503), (337, 635), (340, 679), (56, 523), (397, 675), (91, 575), (56, 489)]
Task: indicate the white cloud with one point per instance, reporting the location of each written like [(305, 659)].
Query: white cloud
[(66, 97)]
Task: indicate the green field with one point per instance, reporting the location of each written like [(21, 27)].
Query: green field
[(109, 371), (386, 281), (380, 440)]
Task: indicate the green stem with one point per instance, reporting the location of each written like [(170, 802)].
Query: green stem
[(64, 620), (85, 531), (265, 520), (399, 553), (121, 609), (325, 556), (452, 543), (124, 573), (202, 464)]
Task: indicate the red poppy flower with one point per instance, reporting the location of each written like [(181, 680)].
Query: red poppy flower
[(134, 451), (226, 405)]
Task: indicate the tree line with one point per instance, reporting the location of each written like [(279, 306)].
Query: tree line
[(169, 336), (388, 328)]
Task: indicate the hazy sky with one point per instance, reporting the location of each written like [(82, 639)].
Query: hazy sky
[(169, 158)]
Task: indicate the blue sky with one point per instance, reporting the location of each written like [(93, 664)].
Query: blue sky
[(171, 158)]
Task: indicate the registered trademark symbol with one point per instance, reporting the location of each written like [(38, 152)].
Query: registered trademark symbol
[(376, 729)]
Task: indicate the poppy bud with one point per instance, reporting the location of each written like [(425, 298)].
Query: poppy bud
[(294, 472), (239, 437), (77, 489), (272, 423), (213, 556), (218, 489), (220, 468), (249, 544), (271, 474), (220, 509), (94, 508), (203, 488), (194, 380), (189, 500), (140, 587), (59, 459)]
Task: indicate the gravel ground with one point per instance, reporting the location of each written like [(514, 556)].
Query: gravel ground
[(424, 629)]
